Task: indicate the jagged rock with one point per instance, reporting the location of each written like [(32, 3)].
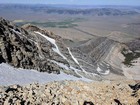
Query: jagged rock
[(22, 49), (30, 27), (135, 87), (72, 93)]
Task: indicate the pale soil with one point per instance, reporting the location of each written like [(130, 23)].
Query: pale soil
[(132, 72), (103, 26), (115, 58), (117, 28), (69, 33)]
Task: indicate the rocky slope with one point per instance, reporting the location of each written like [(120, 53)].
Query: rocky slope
[(72, 93), (20, 49), (101, 58), (108, 57), (31, 47), (97, 56), (35, 48)]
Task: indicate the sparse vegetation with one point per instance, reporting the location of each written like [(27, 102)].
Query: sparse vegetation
[(69, 23), (129, 57)]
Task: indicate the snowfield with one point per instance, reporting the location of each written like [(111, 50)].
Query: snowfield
[(10, 75)]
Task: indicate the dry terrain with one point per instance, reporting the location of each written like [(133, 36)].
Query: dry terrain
[(72, 93), (118, 28)]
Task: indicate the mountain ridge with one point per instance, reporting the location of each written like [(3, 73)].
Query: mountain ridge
[(31, 47)]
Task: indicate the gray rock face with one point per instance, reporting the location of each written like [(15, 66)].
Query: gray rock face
[(30, 47), (97, 48), (134, 45), (94, 53), (25, 49)]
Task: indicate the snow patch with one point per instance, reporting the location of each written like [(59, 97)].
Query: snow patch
[(52, 41), (60, 64), (75, 60), (66, 67), (106, 72), (10, 75), (72, 68), (17, 32)]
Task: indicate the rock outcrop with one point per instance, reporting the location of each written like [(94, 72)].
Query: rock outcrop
[(24, 49), (31, 47), (98, 54), (108, 57), (72, 93)]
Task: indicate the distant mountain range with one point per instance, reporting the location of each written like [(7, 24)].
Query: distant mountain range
[(75, 10)]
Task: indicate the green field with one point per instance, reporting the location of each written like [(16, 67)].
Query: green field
[(68, 23)]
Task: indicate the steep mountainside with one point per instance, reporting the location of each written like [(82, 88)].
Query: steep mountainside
[(31, 47), (36, 49), (95, 54), (109, 57), (22, 49)]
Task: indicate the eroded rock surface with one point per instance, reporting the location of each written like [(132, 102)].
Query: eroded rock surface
[(25, 49), (72, 93)]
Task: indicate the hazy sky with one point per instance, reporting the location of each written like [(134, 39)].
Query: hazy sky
[(80, 2)]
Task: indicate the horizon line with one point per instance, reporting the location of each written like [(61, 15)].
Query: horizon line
[(69, 4)]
